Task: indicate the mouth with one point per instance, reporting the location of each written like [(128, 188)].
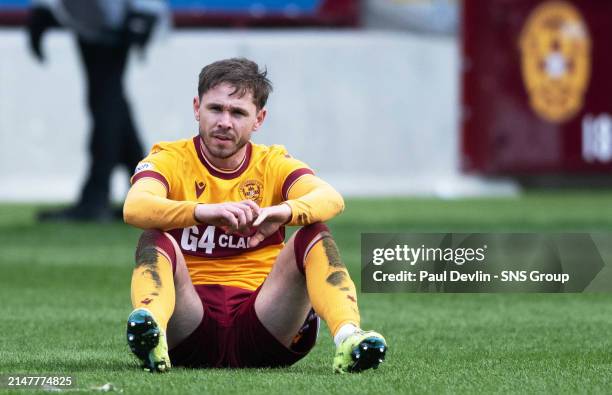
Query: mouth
[(223, 138)]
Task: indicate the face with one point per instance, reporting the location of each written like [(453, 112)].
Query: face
[(226, 121)]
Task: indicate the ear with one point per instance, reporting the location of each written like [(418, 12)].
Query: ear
[(261, 115), (196, 108)]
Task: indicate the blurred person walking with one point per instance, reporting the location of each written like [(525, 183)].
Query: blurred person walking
[(106, 31)]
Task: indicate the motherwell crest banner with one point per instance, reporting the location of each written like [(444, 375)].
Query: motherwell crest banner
[(536, 85)]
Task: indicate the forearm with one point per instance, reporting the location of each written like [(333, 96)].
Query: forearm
[(147, 207), (313, 200)]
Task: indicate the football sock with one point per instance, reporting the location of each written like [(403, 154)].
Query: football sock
[(153, 289), (345, 331), (330, 288)]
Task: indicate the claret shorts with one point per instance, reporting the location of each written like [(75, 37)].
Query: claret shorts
[(231, 335)]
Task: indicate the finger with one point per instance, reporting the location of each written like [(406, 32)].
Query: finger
[(251, 213), (254, 206), (256, 239), (244, 230), (238, 214), (231, 220), (248, 212), (241, 216), (263, 214)]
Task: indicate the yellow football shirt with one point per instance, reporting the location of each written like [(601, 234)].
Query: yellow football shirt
[(265, 176)]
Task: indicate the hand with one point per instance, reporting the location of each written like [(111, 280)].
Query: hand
[(232, 217), (268, 221), (39, 21), (139, 28)]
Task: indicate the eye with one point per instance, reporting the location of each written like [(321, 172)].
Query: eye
[(238, 113)]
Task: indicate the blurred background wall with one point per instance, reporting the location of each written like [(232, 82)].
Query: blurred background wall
[(368, 93), (373, 112)]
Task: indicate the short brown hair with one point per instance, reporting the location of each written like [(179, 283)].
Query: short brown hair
[(241, 73)]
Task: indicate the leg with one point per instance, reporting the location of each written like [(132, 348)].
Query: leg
[(104, 67), (296, 281), (132, 151), (283, 303), (113, 138), (131, 147), (161, 289), (188, 310), (308, 271)]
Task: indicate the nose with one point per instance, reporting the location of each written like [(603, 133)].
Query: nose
[(224, 121)]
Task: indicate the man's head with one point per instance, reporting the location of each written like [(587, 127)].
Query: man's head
[(230, 105)]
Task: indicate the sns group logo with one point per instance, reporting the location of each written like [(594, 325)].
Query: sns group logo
[(555, 60)]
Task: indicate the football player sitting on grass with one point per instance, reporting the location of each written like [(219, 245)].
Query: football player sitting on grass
[(215, 283)]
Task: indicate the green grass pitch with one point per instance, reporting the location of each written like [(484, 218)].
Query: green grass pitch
[(64, 298)]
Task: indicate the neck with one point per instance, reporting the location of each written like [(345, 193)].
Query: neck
[(228, 164)]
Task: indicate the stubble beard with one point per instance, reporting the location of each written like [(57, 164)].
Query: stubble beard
[(220, 153)]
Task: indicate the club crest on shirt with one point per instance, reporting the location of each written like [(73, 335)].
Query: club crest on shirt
[(252, 190)]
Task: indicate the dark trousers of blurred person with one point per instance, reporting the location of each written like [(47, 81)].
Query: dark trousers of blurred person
[(104, 43), (113, 140)]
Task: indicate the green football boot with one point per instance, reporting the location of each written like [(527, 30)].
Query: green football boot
[(148, 341), (360, 351)]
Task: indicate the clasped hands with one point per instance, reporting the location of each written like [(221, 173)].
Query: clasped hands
[(241, 217)]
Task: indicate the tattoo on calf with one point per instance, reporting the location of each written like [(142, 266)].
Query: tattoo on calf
[(332, 253), (152, 271), (146, 255), (336, 278)]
